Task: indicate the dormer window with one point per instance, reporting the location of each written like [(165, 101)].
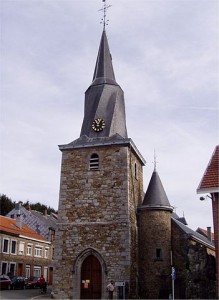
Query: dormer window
[(94, 162)]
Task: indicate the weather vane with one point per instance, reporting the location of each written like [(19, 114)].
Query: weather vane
[(104, 9)]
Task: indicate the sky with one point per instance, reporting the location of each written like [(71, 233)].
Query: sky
[(165, 58)]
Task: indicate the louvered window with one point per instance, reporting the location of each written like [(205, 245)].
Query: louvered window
[(94, 162)]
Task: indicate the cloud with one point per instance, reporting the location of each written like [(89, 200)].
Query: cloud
[(165, 57)]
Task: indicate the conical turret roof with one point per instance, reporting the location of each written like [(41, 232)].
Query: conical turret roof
[(155, 197)]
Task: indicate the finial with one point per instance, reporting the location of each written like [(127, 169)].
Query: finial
[(104, 9), (155, 161)]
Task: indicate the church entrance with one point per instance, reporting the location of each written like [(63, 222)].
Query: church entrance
[(91, 278)]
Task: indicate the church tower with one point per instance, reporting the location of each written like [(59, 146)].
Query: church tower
[(155, 242), (101, 187)]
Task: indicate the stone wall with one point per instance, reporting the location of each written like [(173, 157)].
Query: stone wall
[(195, 267), (154, 234), (97, 211), (136, 197)]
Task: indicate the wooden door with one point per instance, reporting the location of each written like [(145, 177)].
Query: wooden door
[(91, 278), (20, 270)]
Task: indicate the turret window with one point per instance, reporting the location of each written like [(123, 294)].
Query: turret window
[(136, 171), (94, 162), (159, 255)]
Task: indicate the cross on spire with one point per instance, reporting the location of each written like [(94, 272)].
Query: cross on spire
[(104, 21)]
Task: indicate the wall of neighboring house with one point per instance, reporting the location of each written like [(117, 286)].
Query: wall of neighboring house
[(25, 257), (215, 210), (195, 267)]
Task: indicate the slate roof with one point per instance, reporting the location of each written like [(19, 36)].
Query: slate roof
[(205, 233), (193, 234), (85, 141), (155, 196), (36, 220), (104, 98), (8, 225), (104, 72), (180, 219), (210, 180)]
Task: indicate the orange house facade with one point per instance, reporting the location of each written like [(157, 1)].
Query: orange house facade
[(23, 252), (210, 185)]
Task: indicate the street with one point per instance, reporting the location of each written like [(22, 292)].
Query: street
[(23, 294)]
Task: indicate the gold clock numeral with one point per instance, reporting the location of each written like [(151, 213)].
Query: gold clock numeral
[(98, 125)]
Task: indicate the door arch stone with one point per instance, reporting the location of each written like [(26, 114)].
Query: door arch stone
[(77, 267)]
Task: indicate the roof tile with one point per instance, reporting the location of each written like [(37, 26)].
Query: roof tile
[(210, 179), (9, 225)]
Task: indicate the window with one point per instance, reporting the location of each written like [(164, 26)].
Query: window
[(29, 249), (5, 248), (45, 273), (13, 247), (21, 248), (94, 162), (27, 271), (38, 252), (136, 171), (12, 268), (4, 268), (159, 254), (36, 271), (46, 252)]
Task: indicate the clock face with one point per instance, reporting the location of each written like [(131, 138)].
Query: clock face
[(98, 125)]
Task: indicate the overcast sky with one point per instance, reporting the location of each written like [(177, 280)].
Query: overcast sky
[(165, 58)]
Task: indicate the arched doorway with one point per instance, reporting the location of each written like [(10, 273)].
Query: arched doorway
[(91, 278)]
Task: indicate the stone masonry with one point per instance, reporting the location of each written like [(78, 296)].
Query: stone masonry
[(154, 234), (97, 214)]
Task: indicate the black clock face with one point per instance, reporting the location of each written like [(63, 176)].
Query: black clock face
[(98, 125)]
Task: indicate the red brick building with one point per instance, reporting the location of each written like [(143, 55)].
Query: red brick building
[(210, 184), (23, 252)]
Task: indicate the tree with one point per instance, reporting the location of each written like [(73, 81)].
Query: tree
[(6, 205)]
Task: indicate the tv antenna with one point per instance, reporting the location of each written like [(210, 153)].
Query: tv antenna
[(104, 21)]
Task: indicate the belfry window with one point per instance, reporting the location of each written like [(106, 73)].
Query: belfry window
[(94, 162)]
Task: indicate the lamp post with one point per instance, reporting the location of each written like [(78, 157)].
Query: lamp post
[(173, 274)]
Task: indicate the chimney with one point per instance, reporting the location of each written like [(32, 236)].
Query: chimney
[(45, 212), (18, 215), (28, 207), (209, 233), (38, 228)]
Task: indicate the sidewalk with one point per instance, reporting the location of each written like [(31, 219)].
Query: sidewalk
[(44, 296)]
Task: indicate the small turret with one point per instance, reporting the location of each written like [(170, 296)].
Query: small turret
[(155, 197), (155, 241)]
